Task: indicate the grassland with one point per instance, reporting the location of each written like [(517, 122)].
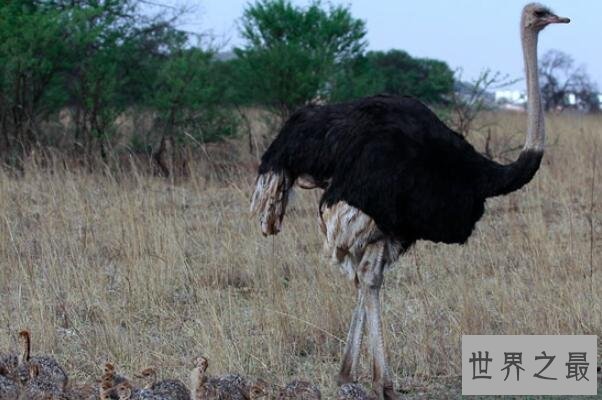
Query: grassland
[(145, 271)]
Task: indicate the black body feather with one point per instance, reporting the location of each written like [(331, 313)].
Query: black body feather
[(392, 158)]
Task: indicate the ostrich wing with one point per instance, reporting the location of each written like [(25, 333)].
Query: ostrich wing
[(413, 187)]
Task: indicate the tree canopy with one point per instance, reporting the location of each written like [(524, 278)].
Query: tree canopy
[(395, 72), (291, 53), (99, 59)]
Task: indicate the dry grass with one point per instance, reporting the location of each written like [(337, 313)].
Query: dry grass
[(134, 269)]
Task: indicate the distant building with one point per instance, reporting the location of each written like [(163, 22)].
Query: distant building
[(513, 100), (514, 97), (571, 100), (516, 100), (467, 93)]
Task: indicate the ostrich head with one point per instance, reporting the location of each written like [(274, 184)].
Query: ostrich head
[(201, 363), (149, 375), (108, 369), (536, 17)]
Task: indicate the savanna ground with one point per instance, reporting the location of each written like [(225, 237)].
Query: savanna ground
[(145, 271)]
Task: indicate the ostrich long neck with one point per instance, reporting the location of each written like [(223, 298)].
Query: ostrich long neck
[(508, 178), (536, 133), (197, 380), (25, 347)]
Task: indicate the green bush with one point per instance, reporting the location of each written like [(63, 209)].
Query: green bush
[(394, 72), (292, 53), (189, 100)]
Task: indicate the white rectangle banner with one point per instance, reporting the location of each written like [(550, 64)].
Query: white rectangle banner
[(529, 365)]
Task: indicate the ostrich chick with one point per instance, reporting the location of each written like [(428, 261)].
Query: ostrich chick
[(168, 389), (299, 390), (212, 388), (353, 391), (48, 369)]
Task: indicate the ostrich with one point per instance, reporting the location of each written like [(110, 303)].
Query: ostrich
[(167, 389), (299, 390), (353, 391), (227, 387), (392, 174), (46, 368)]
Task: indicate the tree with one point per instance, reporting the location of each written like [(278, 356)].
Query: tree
[(31, 47), (402, 74), (98, 59), (559, 78), (189, 101), (291, 53), (97, 36), (395, 72), (65, 54)]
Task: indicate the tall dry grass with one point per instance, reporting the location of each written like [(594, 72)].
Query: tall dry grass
[(143, 271)]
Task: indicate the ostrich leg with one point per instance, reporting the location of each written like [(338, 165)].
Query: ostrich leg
[(370, 274), (354, 342)]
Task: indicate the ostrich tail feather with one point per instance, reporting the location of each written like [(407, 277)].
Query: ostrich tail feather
[(269, 200)]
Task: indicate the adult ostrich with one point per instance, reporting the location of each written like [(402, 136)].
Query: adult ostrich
[(392, 174)]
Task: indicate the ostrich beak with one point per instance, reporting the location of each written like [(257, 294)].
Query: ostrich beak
[(555, 19)]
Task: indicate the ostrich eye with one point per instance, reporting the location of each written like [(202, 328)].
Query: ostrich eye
[(540, 13)]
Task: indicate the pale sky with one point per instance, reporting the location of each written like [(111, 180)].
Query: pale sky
[(468, 34)]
